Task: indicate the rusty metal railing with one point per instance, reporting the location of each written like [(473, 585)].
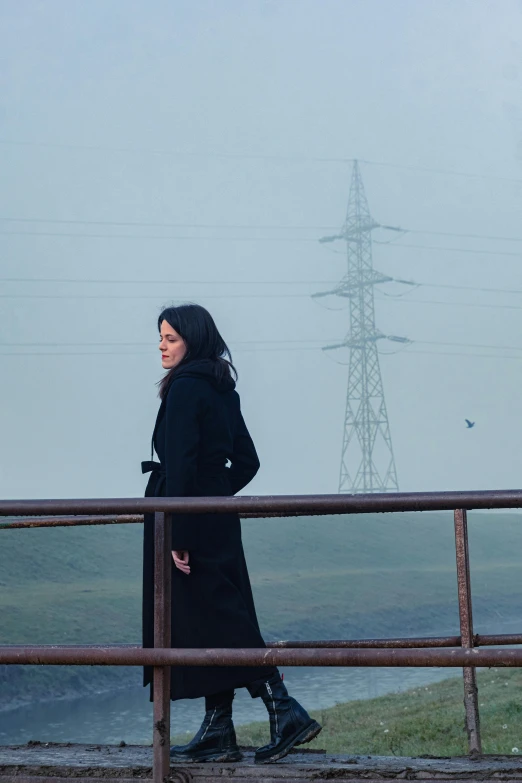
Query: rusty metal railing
[(447, 651)]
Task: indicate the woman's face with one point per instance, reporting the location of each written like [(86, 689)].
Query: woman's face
[(172, 346)]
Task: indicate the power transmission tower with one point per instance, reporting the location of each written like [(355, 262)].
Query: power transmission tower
[(367, 463)]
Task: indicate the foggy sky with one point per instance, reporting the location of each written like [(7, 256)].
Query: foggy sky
[(230, 114)]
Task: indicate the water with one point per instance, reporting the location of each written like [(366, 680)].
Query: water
[(127, 714)]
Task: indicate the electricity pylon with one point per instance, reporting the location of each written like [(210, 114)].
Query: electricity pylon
[(367, 462)]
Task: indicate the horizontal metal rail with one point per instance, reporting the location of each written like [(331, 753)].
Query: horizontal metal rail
[(72, 521), (479, 640), (281, 505), (100, 519), (405, 643), (130, 656), (460, 651)]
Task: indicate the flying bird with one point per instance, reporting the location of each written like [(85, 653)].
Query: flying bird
[(469, 424)]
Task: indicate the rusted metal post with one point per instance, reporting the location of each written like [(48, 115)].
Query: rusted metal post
[(162, 638), (466, 630)]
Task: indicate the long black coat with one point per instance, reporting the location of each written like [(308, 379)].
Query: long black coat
[(198, 430)]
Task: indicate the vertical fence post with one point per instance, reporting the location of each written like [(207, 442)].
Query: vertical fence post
[(162, 638), (466, 630)]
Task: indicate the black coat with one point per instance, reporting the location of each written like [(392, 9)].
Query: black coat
[(198, 430)]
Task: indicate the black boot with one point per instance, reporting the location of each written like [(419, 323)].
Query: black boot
[(290, 724), (215, 740)]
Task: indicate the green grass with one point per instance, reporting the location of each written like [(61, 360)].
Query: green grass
[(313, 577), (421, 721), (68, 586), (326, 576)]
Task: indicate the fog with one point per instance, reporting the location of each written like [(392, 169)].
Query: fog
[(176, 151)]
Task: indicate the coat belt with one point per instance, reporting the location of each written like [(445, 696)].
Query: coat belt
[(150, 466)]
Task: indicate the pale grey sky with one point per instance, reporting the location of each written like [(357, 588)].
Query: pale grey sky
[(221, 114)]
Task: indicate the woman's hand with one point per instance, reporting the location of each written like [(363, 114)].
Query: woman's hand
[(181, 560)]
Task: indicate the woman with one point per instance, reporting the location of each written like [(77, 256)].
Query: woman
[(204, 449)]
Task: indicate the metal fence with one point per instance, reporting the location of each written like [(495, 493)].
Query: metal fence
[(446, 651)]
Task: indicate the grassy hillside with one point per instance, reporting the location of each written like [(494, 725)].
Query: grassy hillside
[(421, 721), (371, 575), (69, 586)]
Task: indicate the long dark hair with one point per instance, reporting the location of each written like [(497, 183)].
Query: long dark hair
[(196, 327)]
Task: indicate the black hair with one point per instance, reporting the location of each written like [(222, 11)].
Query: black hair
[(200, 334)]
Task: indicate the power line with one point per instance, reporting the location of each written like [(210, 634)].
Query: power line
[(260, 157), (179, 153), (231, 226), (451, 172), (450, 286), (152, 236), (463, 236), (471, 288), (457, 304), (255, 345), (200, 296), (144, 224), (453, 249), (156, 297), (192, 238), (460, 354), (159, 281), (470, 345), (253, 350), (152, 345), (464, 345), (170, 281), (141, 353)]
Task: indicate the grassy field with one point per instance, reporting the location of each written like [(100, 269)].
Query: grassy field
[(422, 721), (313, 577)]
